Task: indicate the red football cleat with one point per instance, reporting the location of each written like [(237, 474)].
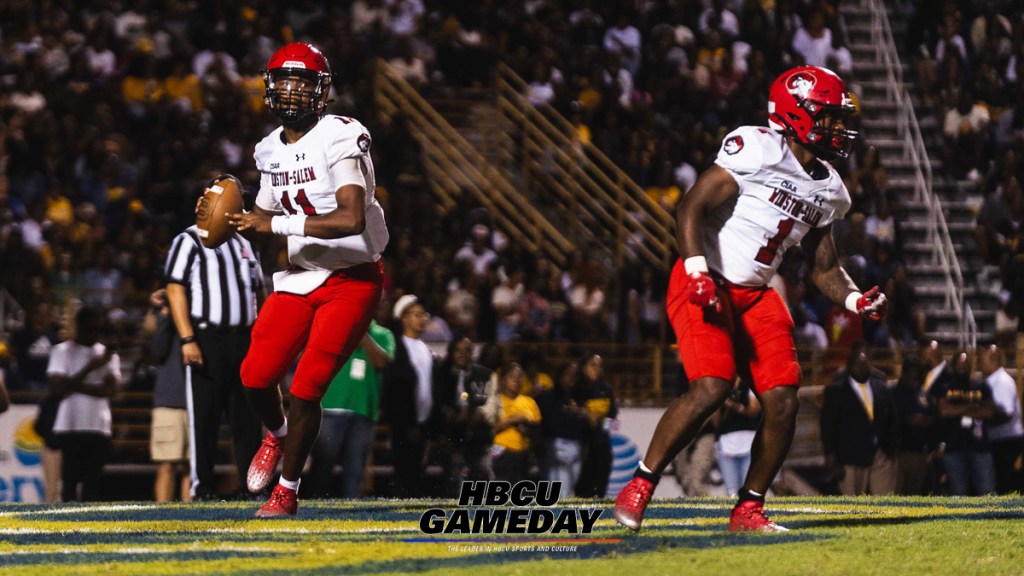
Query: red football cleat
[(283, 502), (264, 464), (749, 516), (632, 501)]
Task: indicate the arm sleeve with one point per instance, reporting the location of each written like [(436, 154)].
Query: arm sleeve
[(179, 260), (348, 171), (265, 198), (58, 364), (114, 369), (386, 340), (1003, 398), (742, 153), (492, 408), (349, 139)]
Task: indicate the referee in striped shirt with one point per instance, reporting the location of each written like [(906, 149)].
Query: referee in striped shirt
[(213, 296)]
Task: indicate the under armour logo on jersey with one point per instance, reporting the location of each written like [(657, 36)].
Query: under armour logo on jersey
[(819, 199), (300, 156)]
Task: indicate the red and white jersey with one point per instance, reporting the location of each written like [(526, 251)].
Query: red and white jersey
[(302, 178), (777, 204)]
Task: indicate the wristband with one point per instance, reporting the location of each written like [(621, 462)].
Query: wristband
[(188, 339), (289, 225), (851, 301), (695, 264)]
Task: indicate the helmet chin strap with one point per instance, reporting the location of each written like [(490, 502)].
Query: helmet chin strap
[(303, 123)]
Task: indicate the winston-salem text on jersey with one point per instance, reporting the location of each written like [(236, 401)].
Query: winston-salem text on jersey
[(795, 207), (504, 508)]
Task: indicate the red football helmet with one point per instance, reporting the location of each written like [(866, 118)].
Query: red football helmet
[(811, 104), (297, 80)]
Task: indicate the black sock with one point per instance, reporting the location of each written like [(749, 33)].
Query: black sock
[(649, 476), (746, 495)]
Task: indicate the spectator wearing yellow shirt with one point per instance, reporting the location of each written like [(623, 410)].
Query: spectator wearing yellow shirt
[(183, 88), (519, 419), (141, 85), (664, 192)]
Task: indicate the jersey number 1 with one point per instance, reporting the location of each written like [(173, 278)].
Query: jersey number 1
[(767, 254), (301, 200)]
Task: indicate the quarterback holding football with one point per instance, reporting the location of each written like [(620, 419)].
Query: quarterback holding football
[(317, 189), (769, 189)]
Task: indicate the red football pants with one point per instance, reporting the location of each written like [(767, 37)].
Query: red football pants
[(329, 323), (753, 334)]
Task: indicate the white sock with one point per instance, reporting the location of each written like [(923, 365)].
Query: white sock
[(282, 431), (645, 468), (292, 485)]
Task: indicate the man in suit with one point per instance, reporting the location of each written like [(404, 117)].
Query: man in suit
[(859, 427), (461, 389)]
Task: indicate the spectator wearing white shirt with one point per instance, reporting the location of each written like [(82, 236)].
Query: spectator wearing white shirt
[(1006, 432), (405, 15), (477, 253), (719, 16), (407, 396), (100, 58), (542, 88), (813, 42), (84, 373), (881, 225), (367, 14), (965, 128), (507, 301), (408, 65), (624, 40)]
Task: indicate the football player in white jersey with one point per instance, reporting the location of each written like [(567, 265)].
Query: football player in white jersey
[(769, 189), (316, 188)]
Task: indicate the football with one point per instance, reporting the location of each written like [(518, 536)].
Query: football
[(223, 196)]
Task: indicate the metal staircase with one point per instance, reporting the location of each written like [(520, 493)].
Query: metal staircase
[(938, 232), (458, 171), (554, 192)]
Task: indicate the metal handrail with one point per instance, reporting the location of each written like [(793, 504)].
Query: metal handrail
[(587, 179), (916, 152), (457, 167)]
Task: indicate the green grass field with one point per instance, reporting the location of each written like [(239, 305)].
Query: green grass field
[(828, 536)]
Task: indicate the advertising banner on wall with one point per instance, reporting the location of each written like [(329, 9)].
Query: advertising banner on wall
[(21, 472), (629, 442)]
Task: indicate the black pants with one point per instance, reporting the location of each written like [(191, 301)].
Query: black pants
[(597, 467), (216, 388), (408, 445), (1006, 454), (511, 466), (82, 457)]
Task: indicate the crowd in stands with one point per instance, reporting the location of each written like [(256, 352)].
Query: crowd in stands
[(970, 65), (114, 115)]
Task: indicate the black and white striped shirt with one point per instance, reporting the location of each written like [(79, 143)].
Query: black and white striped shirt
[(222, 282)]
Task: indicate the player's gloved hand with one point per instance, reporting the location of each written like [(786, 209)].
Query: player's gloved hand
[(700, 290), (871, 304)]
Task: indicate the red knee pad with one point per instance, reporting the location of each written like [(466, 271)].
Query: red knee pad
[(777, 367), (314, 373), (257, 372)]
